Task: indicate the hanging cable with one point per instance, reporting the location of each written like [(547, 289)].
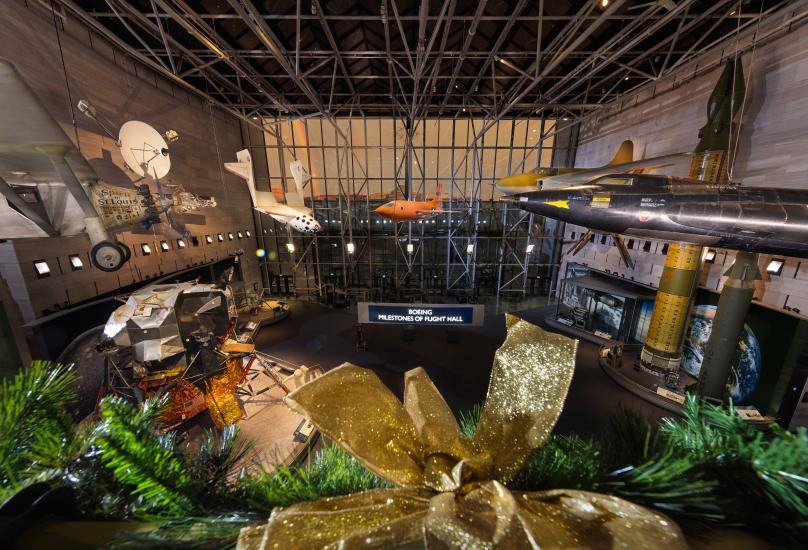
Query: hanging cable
[(734, 146), (67, 82)]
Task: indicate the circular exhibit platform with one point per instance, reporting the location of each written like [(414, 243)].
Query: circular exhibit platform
[(262, 313), (668, 394)]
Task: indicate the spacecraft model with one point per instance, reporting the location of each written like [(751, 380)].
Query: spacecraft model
[(754, 219), (294, 213), (48, 189), (409, 211), (551, 178), (178, 338)]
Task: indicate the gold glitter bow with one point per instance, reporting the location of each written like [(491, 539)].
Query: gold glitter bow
[(450, 489)]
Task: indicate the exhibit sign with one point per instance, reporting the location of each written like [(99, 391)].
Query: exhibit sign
[(421, 314)]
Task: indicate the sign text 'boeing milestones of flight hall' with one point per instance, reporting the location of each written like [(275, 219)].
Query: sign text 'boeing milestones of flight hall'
[(421, 314)]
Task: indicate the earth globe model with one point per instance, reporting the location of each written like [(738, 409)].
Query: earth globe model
[(745, 374)]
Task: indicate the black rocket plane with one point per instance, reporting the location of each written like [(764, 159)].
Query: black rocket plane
[(697, 211), (754, 219)]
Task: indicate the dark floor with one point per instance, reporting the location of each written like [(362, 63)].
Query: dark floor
[(318, 336)]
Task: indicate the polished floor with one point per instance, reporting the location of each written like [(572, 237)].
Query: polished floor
[(318, 336)]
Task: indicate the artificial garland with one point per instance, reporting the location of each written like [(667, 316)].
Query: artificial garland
[(707, 468)]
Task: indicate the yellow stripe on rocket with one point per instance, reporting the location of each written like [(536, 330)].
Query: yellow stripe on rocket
[(559, 204)]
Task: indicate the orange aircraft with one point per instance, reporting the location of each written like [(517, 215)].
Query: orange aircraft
[(408, 211)]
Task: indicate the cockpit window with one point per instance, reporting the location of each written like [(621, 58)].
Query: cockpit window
[(616, 180), (391, 204)]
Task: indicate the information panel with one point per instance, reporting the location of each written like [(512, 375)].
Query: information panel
[(421, 314)]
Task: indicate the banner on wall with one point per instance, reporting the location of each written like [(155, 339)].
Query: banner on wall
[(120, 207), (421, 314)]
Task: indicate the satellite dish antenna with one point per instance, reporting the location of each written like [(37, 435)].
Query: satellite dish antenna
[(144, 149)]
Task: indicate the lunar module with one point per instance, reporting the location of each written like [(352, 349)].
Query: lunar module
[(178, 338)]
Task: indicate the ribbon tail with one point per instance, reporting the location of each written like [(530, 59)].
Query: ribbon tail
[(581, 519), (381, 518)]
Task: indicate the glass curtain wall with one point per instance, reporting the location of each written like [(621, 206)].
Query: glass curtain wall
[(476, 248)]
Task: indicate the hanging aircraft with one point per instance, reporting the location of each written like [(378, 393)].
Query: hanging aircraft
[(550, 178), (408, 211), (48, 189), (754, 219), (294, 213)]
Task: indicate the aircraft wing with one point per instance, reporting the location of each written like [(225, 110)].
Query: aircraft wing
[(428, 213), (584, 175)]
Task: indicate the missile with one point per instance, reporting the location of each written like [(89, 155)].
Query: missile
[(753, 219)]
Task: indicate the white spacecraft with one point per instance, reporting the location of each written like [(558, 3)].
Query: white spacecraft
[(294, 213)]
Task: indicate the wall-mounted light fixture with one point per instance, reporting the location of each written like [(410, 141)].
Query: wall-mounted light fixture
[(709, 256), (208, 239), (239, 234), (350, 247), (410, 248), (775, 266), (290, 247), (247, 232), (530, 248), (75, 262), (219, 237), (42, 268), (230, 235), (180, 243), (470, 249), (145, 249), (164, 246)]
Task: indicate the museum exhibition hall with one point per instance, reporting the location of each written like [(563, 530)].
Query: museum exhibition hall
[(403, 274)]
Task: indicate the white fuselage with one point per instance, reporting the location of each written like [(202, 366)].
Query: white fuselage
[(294, 214), (298, 218)]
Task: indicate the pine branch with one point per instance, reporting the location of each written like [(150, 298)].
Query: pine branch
[(34, 423), (216, 461), (142, 459), (333, 472)]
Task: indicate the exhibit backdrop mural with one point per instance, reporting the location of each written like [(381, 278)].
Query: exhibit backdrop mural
[(766, 356)]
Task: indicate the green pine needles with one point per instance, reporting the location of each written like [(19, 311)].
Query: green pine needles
[(707, 467)]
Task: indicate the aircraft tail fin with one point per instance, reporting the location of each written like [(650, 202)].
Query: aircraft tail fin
[(244, 169), (624, 155), (300, 176)]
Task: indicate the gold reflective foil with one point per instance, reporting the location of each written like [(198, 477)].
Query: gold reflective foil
[(220, 396), (450, 494)]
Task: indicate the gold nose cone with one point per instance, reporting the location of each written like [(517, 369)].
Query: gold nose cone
[(518, 183)]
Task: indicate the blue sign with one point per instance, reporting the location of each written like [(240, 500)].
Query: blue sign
[(421, 314)]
